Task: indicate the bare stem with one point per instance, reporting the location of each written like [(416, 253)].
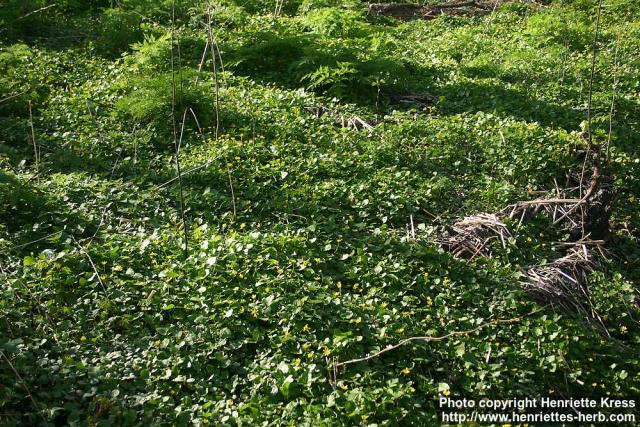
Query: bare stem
[(176, 142), (33, 137), (24, 385), (93, 266), (613, 96), (215, 70), (440, 338), (593, 72)]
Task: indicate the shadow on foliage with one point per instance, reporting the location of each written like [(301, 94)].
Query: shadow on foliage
[(471, 97), (338, 70), (31, 213)]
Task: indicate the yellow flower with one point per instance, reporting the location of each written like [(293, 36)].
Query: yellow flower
[(310, 355), (326, 352), (305, 328), (406, 371), (230, 402), (83, 338), (623, 329), (429, 301), (343, 386), (339, 285), (594, 384), (297, 361), (446, 392), (286, 333)]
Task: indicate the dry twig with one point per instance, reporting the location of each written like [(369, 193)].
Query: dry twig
[(24, 385), (470, 237), (437, 338)]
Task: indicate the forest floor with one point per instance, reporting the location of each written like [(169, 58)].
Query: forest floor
[(210, 212)]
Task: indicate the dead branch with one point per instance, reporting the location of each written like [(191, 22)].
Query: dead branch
[(437, 338), (420, 99), (408, 11), (341, 120), (193, 169), (24, 385), (15, 95), (93, 266), (42, 9), (470, 237), (564, 281)]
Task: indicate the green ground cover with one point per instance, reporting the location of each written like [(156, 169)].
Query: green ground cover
[(299, 253)]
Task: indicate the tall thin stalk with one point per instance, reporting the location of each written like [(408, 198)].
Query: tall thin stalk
[(593, 72), (36, 154), (215, 70), (213, 47), (176, 142), (614, 87), (593, 148)]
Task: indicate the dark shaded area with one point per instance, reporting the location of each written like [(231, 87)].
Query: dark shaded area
[(409, 11), (298, 60), (472, 96)]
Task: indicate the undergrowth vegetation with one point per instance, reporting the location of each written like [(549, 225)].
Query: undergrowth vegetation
[(308, 241)]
